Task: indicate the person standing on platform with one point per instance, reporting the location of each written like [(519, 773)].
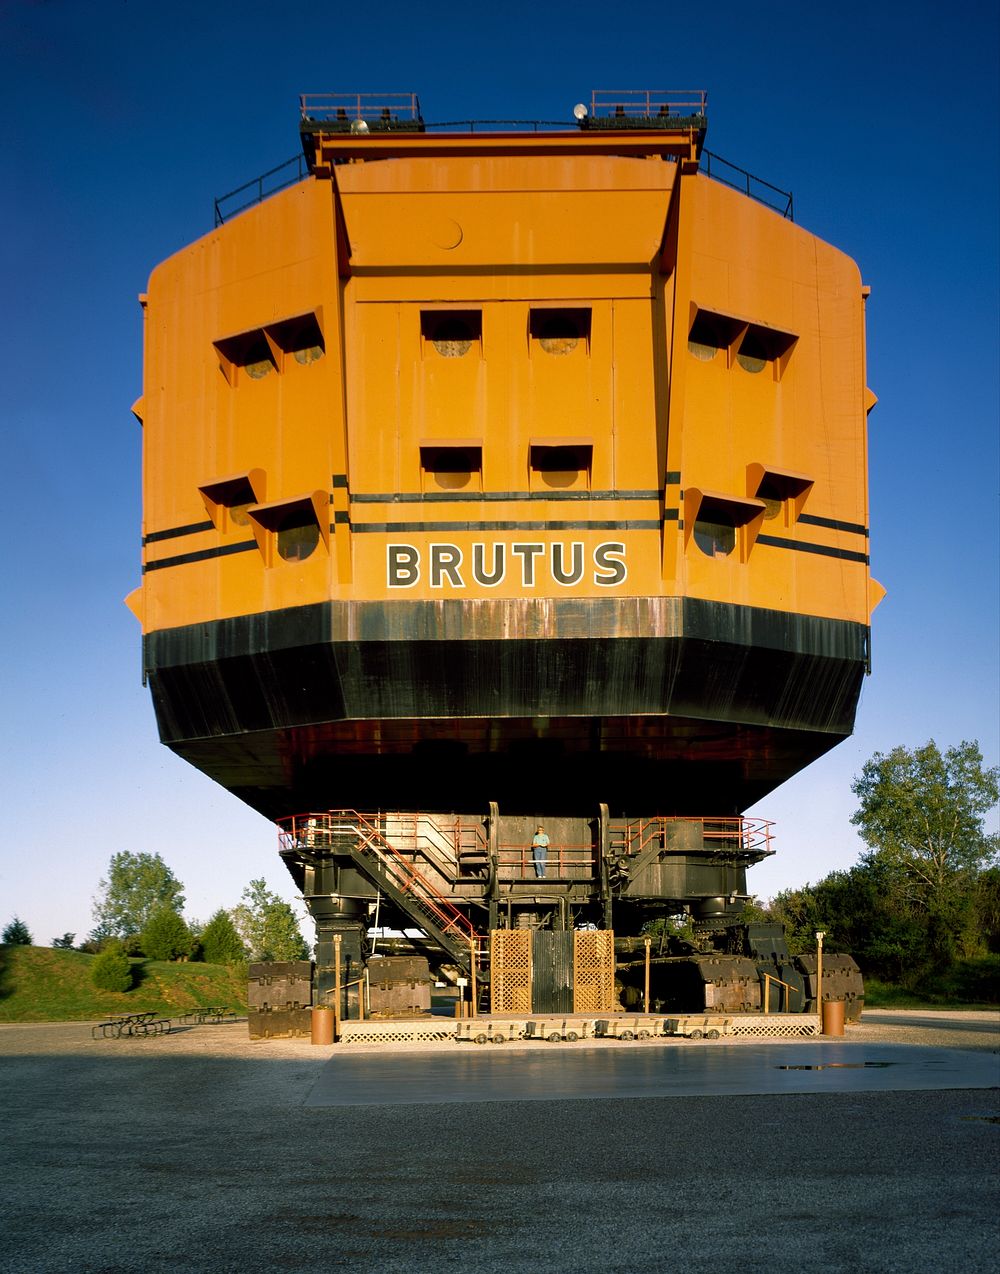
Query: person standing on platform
[(539, 852)]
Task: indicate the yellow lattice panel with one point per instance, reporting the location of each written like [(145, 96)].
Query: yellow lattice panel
[(593, 970), (510, 964)]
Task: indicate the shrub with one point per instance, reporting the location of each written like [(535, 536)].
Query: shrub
[(111, 971), (16, 934), (166, 936), (220, 943)]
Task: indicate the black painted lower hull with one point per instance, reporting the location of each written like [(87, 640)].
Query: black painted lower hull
[(652, 705)]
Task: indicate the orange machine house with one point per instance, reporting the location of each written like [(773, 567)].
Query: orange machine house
[(524, 468)]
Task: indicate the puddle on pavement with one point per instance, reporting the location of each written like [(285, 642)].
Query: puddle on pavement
[(839, 1066)]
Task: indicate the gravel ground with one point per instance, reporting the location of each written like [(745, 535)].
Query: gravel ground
[(195, 1151)]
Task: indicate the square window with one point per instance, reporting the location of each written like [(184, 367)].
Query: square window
[(291, 530), (451, 464), (452, 333), (720, 525), (560, 462), (228, 499), (560, 331), (784, 493), (248, 353)]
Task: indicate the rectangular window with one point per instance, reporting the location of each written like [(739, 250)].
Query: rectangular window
[(452, 333), (720, 525), (292, 530), (451, 464), (300, 338), (561, 463), (784, 493), (750, 346), (228, 499), (247, 353), (560, 331), (266, 349)]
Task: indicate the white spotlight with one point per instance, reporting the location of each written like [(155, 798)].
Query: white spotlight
[(359, 126), (579, 111)]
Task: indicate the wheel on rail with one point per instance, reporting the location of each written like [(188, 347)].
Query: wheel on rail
[(626, 1035), (712, 1034), (643, 1035), (499, 1037), (694, 1035), (480, 1039), (571, 1037)]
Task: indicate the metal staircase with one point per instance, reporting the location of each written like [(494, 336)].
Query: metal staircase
[(358, 837)]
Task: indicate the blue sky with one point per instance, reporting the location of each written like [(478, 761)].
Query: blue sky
[(124, 120)]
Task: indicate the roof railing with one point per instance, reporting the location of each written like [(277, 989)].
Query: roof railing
[(254, 192), (400, 112), (647, 104), (728, 174), (370, 108)]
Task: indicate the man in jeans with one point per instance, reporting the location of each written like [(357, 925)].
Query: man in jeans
[(539, 848)]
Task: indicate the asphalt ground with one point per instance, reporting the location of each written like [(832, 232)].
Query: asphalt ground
[(205, 1151)]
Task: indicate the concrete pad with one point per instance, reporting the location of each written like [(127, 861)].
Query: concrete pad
[(550, 1072), (196, 1152)]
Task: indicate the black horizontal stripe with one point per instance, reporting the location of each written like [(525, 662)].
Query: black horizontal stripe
[(220, 550), (174, 532), (673, 477), (493, 497), (824, 550), (832, 524), (397, 528), (341, 518), (431, 497), (340, 480), (671, 515)]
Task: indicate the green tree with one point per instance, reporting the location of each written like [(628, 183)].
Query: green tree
[(865, 913), (797, 911), (988, 907), (166, 936), (111, 970), (17, 934), (65, 943), (267, 925), (220, 943), (922, 814), (136, 886)]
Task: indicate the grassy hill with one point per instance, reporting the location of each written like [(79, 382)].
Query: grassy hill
[(41, 984)]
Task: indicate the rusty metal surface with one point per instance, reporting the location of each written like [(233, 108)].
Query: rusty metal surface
[(400, 999), (625, 684), (841, 981), (389, 970), (279, 1023), (279, 985)]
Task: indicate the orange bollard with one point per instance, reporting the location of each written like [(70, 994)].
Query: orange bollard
[(833, 1017), (322, 1026)]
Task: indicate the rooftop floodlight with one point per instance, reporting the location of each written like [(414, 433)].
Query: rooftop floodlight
[(579, 111), (359, 126)]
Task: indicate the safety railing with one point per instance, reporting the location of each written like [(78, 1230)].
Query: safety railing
[(746, 183), (566, 861), (440, 840), (359, 106), (260, 188), (352, 832), (785, 1000), (723, 834), (647, 103)]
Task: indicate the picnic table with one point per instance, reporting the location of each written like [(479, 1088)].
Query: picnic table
[(211, 1015), (145, 1023)]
